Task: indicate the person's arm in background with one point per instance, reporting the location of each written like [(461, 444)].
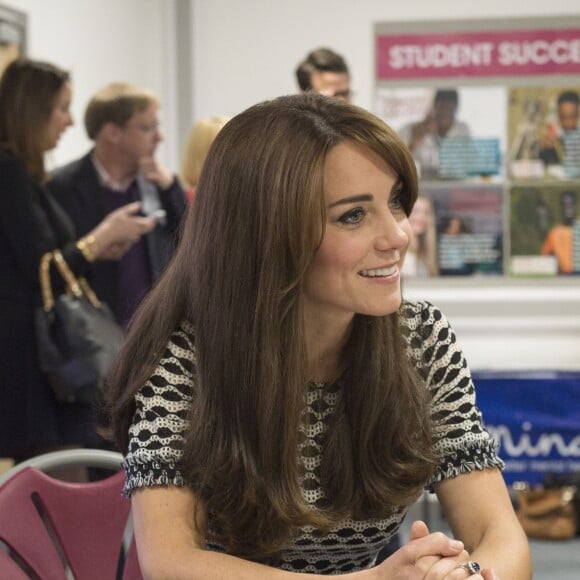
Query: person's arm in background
[(548, 247), (171, 193), (420, 130), (551, 149), (414, 133), (30, 232)]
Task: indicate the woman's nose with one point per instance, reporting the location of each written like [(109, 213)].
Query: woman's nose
[(392, 234)]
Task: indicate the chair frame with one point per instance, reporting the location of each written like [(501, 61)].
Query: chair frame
[(54, 460)]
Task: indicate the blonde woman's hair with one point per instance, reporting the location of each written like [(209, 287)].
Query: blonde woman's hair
[(199, 141)]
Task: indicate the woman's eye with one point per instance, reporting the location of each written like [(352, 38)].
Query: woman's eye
[(397, 201), (354, 216)]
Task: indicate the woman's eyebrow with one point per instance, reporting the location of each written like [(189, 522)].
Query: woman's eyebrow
[(398, 186), (353, 199)]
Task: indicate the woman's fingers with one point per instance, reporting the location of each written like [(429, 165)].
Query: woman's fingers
[(447, 567), (419, 529), (435, 544)]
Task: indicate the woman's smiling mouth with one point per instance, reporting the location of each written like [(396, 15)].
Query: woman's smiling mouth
[(379, 272)]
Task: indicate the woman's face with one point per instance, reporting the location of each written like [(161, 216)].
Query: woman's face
[(421, 216), (60, 118), (356, 269)]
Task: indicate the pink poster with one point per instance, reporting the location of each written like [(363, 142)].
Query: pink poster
[(479, 54)]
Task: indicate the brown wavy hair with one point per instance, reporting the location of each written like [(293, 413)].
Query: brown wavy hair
[(238, 276), (28, 92)]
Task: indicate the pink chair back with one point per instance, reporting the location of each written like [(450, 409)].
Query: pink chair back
[(50, 525)]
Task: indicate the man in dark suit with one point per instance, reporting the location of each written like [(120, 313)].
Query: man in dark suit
[(122, 120)]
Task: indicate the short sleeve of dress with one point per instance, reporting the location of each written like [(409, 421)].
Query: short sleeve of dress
[(156, 435), (460, 440)]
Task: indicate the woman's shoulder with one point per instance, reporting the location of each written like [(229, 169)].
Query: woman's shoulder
[(418, 313), (15, 177), (181, 344), (424, 326), (174, 376), (11, 165), (17, 187), (184, 333)]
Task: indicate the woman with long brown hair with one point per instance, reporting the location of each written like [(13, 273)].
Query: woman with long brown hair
[(280, 407), (35, 99)]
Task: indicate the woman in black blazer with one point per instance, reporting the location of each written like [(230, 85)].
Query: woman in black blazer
[(34, 111)]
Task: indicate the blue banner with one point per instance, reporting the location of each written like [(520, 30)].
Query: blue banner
[(535, 418)]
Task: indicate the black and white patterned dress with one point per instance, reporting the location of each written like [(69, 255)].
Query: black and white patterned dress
[(460, 440)]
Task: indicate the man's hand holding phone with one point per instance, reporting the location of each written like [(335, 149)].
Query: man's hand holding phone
[(121, 229)]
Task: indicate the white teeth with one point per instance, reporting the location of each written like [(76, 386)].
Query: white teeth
[(379, 272)]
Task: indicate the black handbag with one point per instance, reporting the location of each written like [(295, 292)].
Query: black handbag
[(77, 336)]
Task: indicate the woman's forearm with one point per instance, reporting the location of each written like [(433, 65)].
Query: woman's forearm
[(201, 564), (193, 563), (507, 552)]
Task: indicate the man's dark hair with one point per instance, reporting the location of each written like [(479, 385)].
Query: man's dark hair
[(569, 97), (447, 95), (321, 60)]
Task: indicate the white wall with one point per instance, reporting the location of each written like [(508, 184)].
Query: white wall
[(98, 41), (246, 51)]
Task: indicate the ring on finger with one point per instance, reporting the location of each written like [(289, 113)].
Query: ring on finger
[(472, 567)]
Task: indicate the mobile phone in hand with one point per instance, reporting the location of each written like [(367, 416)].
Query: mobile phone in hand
[(157, 214)]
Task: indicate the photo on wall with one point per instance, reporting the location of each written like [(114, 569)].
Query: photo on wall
[(457, 231), (454, 133), (544, 132), (12, 35), (545, 229)]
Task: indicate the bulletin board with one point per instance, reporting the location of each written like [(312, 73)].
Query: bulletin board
[(489, 109), (12, 35)]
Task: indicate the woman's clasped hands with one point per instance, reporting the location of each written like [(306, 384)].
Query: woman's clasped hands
[(429, 556)]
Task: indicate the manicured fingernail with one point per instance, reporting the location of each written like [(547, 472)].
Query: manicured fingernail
[(457, 545)]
